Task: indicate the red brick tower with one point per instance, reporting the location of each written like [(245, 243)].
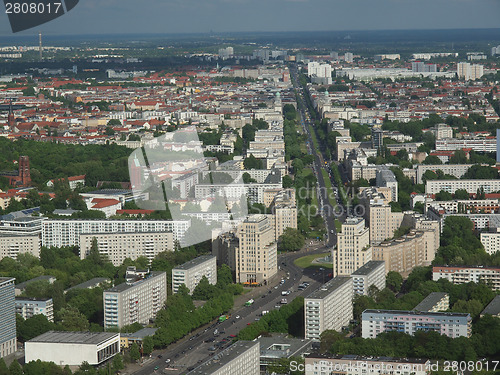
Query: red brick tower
[(24, 170)]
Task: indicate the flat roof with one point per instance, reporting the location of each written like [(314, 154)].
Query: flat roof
[(430, 301), (84, 338), (6, 279), (223, 358), (145, 332), (354, 357), (369, 267), (89, 283), (194, 262), (124, 286), (493, 307), (39, 278), (408, 312), (327, 288), (291, 346)]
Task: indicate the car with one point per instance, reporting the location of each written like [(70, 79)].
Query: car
[(156, 368), (167, 360), (159, 356), (233, 336), (248, 324), (237, 316)]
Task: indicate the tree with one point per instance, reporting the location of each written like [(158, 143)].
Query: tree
[(4, 370), (291, 240), (71, 319), (431, 160), (444, 196), (252, 162), (135, 354), (147, 345), (109, 131), (459, 157), (224, 276), (462, 194), (114, 122), (394, 281), (118, 362), (33, 327), (204, 290), (15, 368)]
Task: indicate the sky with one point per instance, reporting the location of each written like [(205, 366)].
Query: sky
[(203, 16)]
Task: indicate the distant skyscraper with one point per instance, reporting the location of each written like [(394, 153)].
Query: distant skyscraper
[(348, 57), (469, 71), (377, 138), (8, 341)]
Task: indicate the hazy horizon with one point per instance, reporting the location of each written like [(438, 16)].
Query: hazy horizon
[(93, 17)]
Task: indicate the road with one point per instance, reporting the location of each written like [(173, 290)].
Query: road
[(193, 350), (326, 208)]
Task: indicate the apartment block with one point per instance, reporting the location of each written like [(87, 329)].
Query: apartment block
[(457, 170), (353, 247), (119, 246), (386, 178), (256, 257), (135, 302), (407, 252), (467, 274), (349, 364), (8, 337), (372, 273), (11, 246), (284, 212), (224, 247), (491, 240), (242, 358), (476, 144), (453, 325), (329, 307), (28, 307), (59, 233), (434, 302), (468, 71), (190, 273), (379, 217)]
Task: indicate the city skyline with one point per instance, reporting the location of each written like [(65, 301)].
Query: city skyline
[(195, 16)]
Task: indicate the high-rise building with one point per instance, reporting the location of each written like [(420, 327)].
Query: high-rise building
[(421, 67), (11, 246), (377, 138), (190, 273), (329, 307), (374, 322), (469, 71), (372, 273), (353, 247), (256, 257), (8, 341), (135, 302), (348, 57), (119, 246)]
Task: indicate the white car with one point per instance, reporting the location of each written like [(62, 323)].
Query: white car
[(237, 316), (167, 360)]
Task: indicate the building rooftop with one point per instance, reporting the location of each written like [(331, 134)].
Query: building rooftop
[(124, 286), (430, 301), (408, 312), (48, 278), (84, 338), (6, 280), (140, 334), (195, 262), (281, 346), (223, 358), (90, 283), (493, 307), (368, 267), (327, 288), (33, 299), (354, 357)]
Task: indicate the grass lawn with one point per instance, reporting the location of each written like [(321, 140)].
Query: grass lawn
[(338, 225), (329, 188), (315, 140), (306, 262)]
